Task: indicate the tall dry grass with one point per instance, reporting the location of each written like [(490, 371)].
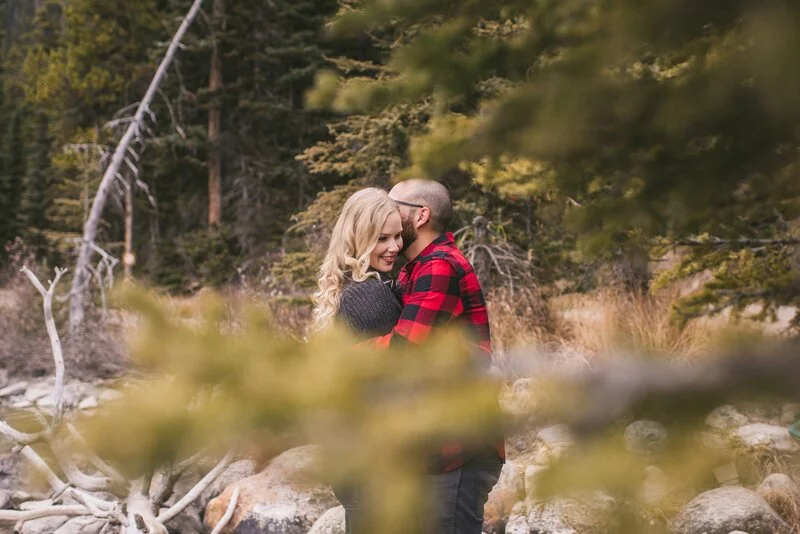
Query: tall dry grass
[(584, 328), (607, 323)]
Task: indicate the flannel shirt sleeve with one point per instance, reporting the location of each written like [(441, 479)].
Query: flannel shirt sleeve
[(435, 298)]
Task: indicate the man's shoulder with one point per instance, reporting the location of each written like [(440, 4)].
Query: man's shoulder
[(450, 254)]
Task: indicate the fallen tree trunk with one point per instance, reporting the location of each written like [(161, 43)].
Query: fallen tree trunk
[(81, 276)]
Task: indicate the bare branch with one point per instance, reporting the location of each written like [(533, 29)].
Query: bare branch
[(21, 438), (165, 487), (49, 511), (172, 117), (103, 467), (195, 492), (225, 519), (36, 461), (55, 341), (75, 476)]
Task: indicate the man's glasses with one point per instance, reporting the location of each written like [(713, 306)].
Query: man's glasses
[(409, 204)]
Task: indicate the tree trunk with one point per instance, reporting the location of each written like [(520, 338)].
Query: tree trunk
[(128, 258), (81, 276), (214, 159)]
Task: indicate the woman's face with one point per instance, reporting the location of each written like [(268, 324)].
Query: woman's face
[(390, 242)]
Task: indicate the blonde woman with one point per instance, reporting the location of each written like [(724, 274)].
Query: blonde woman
[(353, 288), (353, 279)]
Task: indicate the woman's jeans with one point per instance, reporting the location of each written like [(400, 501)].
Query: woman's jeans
[(460, 496)]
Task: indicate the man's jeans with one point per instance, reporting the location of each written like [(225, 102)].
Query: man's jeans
[(460, 496)]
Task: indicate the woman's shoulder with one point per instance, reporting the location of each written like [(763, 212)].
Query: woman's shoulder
[(370, 286)]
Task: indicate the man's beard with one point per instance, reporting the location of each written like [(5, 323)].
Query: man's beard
[(409, 233)]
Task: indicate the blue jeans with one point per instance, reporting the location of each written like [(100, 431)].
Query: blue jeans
[(459, 498)]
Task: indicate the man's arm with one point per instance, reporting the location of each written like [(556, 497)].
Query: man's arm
[(435, 298)]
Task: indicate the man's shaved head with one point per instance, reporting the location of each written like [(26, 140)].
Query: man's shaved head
[(430, 194)]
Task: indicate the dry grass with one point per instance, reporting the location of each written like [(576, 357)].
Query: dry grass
[(25, 347), (606, 323), (787, 506)]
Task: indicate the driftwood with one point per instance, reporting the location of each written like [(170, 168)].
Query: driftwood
[(136, 126), (140, 511)]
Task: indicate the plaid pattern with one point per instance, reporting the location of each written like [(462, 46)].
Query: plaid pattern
[(437, 287)]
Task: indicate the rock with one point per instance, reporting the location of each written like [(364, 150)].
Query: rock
[(82, 525), (39, 390), (760, 436), (284, 498), (778, 483), (518, 520), (187, 522), (5, 499), (783, 495), (726, 417), (727, 474), (234, 473), (556, 436), (789, 413), (509, 490), (532, 474), (593, 514), (760, 412), (108, 395), (11, 469), (645, 438), (190, 520), (721, 510), (521, 399), (659, 495), (89, 403), (74, 391), (555, 441), (3, 378), (45, 525), (737, 532), (715, 446), (331, 522), (655, 487)]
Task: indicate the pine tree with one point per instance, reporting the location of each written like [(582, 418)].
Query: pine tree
[(35, 196), (657, 120), (12, 170)]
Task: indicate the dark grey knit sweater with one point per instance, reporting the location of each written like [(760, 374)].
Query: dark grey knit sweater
[(370, 307)]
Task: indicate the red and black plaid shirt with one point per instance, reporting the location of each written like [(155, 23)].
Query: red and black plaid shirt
[(437, 287)]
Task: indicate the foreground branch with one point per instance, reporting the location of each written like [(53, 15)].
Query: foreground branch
[(590, 401), (225, 519), (195, 492), (740, 242), (55, 341), (29, 515)]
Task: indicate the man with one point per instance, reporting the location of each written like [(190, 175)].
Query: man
[(439, 286)]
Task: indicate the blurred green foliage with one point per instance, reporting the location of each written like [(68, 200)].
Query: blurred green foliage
[(640, 120), (220, 376)]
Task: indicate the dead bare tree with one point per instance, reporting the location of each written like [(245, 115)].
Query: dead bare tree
[(492, 255), (137, 506), (134, 132)]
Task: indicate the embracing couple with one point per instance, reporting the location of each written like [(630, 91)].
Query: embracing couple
[(436, 287)]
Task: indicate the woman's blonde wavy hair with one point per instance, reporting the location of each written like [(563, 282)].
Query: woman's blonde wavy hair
[(354, 237)]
